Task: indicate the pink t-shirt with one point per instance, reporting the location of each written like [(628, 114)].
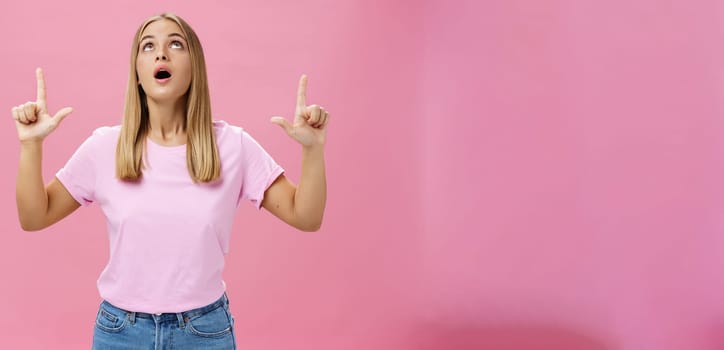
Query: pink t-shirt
[(168, 235)]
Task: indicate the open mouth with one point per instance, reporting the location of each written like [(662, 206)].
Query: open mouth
[(162, 74)]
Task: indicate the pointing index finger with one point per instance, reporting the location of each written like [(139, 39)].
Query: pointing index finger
[(302, 93), (41, 87)]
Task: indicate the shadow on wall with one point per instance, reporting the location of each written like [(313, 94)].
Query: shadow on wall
[(503, 338)]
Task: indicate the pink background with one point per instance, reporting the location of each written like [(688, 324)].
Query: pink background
[(511, 174)]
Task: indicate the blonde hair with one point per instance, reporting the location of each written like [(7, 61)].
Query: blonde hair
[(202, 155)]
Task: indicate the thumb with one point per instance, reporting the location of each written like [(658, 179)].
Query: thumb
[(61, 114), (283, 123)]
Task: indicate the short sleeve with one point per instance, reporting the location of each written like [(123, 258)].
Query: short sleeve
[(259, 170), (79, 173)]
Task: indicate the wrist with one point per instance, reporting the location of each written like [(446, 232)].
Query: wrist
[(31, 143), (313, 148)]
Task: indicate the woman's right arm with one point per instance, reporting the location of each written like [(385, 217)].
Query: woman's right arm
[(39, 206)]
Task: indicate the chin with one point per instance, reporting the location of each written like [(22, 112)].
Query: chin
[(164, 96)]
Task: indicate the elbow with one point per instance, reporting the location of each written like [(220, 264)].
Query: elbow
[(311, 226), (314, 228), (30, 226)]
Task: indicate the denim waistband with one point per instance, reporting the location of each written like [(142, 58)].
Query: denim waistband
[(185, 315)]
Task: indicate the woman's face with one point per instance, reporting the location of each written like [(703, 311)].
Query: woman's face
[(163, 63)]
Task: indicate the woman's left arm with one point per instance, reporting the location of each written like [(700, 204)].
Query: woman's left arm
[(302, 206)]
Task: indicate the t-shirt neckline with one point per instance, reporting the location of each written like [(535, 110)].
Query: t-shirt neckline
[(154, 145)]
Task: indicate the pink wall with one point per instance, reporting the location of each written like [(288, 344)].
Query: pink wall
[(573, 168), (502, 175)]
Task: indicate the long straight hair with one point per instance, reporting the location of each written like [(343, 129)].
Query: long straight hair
[(202, 155)]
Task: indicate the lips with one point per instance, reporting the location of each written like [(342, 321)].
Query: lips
[(162, 74)]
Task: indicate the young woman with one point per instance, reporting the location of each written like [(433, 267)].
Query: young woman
[(168, 181)]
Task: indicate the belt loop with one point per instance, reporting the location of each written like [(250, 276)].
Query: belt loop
[(180, 317), (132, 317)]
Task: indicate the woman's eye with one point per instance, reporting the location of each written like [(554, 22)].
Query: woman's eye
[(147, 47), (176, 44)]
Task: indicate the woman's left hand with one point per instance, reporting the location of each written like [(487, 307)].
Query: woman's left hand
[(310, 122)]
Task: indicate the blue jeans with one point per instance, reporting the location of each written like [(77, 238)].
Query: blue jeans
[(209, 327)]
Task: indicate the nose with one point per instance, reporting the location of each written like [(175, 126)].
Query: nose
[(161, 55)]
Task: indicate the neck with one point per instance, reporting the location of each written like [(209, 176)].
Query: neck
[(167, 122)]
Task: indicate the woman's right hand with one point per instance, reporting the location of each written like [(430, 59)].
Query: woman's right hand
[(32, 119)]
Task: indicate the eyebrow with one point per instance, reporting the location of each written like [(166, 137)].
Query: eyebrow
[(170, 35)]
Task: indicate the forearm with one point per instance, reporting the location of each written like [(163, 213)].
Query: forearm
[(311, 195), (30, 194)]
